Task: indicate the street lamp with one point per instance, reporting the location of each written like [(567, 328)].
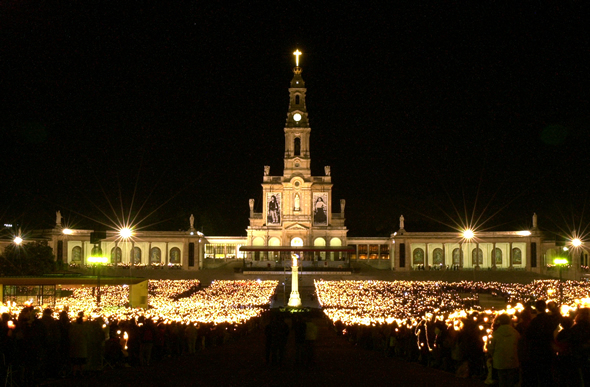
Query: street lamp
[(561, 263), (125, 233), (18, 240), (468, 235), (576, 242)]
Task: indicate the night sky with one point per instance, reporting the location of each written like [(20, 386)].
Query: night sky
[(445, 112)]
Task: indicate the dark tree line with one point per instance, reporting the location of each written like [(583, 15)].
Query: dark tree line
[(33, 258)]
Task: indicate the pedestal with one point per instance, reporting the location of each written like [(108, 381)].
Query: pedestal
[(294, 298)]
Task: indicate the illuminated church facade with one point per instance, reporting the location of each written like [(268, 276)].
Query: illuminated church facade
[(297, 207), (298, 216)]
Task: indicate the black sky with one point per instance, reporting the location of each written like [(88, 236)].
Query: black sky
[(440, 111)]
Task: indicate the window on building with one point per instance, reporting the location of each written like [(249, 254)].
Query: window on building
[(418, 257), (437, 257), (497, 256), (209, 251), (373, 251), (230, 251), (363, 249), (77, 254), (175, 256), (297, 146), (352, 255), (220, 251), (516, 256), (136, 256), (116, 255), (384, 252), (155, 256), (534, 255)]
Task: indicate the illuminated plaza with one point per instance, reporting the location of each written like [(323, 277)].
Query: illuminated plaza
[(405, 285)]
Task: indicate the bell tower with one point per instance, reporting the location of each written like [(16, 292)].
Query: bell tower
[(297, 156), (296, 206)]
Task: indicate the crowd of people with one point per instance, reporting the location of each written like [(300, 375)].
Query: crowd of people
[(536, 344), (78, 337), (438, 324)]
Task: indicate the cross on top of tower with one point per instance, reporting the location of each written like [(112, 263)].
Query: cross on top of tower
[(297, 53)]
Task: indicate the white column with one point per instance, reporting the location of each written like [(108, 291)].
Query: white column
[(294, 298)]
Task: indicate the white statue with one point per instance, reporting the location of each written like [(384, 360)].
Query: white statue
[(297, 202), (251, 204), (58, 218), (535, 220), (342, 205), (401, 222), (192, 221), (327, 170), (266, 170)]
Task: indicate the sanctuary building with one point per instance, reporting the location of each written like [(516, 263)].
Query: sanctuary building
[(299, 217)]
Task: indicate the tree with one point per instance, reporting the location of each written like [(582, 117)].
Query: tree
[(33, 258)]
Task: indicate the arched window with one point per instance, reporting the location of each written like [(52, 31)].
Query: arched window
[(77, 254), (136, 256), (274, 241), (516, 256), (116, 255), (297, 100), (456, 257), (477, 257), (497, 256), (155, 256), (437, 257), (175, 256), (297, 242), (418, 256), (297, 146)]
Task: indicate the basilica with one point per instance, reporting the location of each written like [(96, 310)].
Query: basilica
[(300, 216)]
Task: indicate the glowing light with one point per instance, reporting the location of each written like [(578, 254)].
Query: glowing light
[(560, 261), (468, 234), (523, 233), (18, 240), (576, 242), (98, 260), (67, 231), (125, 232), (297, 53)]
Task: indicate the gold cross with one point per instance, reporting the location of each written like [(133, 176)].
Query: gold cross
[(297, 53)]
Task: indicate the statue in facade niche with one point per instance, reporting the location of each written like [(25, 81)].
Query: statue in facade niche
[(327, 170), (297, 202), (266, 170)]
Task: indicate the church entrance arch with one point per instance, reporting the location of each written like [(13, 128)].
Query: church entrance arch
[(320, 256), (297, 242), (335, 255), (257, 242), (274, 241)]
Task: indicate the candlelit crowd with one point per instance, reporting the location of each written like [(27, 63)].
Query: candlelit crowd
[(535, 343), (77, 337), (438, 324)]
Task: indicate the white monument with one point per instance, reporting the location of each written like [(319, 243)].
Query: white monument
[(294, 298)]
